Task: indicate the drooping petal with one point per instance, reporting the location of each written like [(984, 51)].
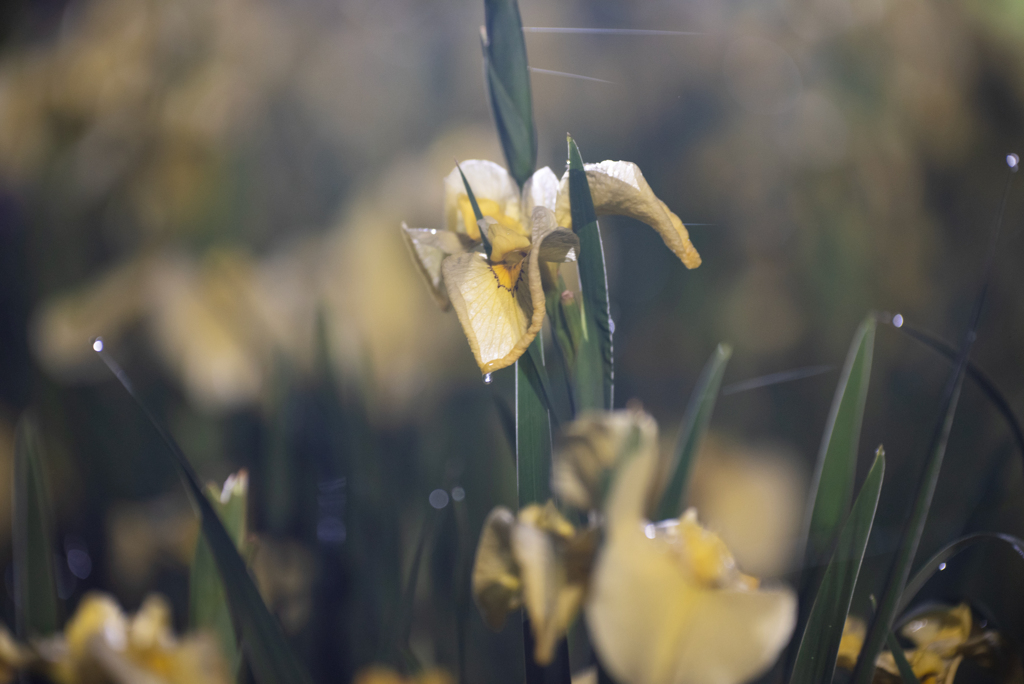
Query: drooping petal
[(489, 181), (496, 583), (618, 187), (495, 305), (429, 247), (652, 622)]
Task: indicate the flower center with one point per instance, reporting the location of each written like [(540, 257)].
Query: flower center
[(487, 208), (507, 274)]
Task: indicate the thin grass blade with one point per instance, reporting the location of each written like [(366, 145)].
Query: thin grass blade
[(37, 606), (819, 645), (533, 434), (268, 653), (695, 425), (507, 74), (595, 376), (208, 603), (932, 565), (906, 672), (832, 486)]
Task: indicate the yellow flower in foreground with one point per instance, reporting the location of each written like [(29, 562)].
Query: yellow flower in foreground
[(538, 559), (102, 644), (667, 603), (499, 298), (380, 674)]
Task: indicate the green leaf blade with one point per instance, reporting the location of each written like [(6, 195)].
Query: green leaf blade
[(533, 432), (507, 74), (595, 376), (695, 425), (819, 645), (832, 488), (37, 605)]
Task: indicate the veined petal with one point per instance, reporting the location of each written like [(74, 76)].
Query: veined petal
[(429, 247), (618, 187), (507, 245), (553, 243), (496, 305), (489, 181)]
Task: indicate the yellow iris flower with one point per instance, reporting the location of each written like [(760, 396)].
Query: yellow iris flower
[(499, 298), (667, 603)]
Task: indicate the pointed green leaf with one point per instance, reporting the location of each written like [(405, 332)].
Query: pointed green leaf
[(594, 372), (268, 653), (476, 210), (695, 425), (533, 436), (819, 646), (37, 607), (507, 74), (832, 486), (932, 565), (208, 605)]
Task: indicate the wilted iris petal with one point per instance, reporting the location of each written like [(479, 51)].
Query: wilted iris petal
[(618, 187), (675, 609), (496, 584)]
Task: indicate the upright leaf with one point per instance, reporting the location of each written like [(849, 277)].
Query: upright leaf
[(695, 424), (832, 486), (208, 604), (37, 610), (270, 658), (507, 74), (819, 646), (594, 373), (533, 432)]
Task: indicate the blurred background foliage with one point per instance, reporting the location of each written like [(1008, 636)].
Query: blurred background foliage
[(216, 187)]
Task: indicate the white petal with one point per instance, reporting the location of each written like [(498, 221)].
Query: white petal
[(429, 247), (540, 190), (488, 181)]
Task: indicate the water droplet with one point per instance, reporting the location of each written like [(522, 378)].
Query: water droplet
[(649, 531), (942, 566), (611, 326), (97, 344), (897, 320), (433, 231), (438, 498), (79, 563), (458, 494), (487, 379), (1013, 161)]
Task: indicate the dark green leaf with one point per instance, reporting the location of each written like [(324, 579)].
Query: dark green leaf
[(36, 603), (270, 658), (507, 73), (533, 437), (906, 672), (819, 646), (832, 486), (476, 210), (695, 424), (594, 372), (208, 605), (931, 566)]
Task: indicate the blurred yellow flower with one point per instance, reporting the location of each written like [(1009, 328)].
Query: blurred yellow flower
[(500, 304), (942, 638), (380, 674), (101, 644), (538, 559), (667, 603)]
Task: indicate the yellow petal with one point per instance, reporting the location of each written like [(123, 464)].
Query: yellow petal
[(851, 643), (489, 181), (428, 248), (941, 630), (618, 187), (651, 623), (507, 244), (496, 583), (554, 244)]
